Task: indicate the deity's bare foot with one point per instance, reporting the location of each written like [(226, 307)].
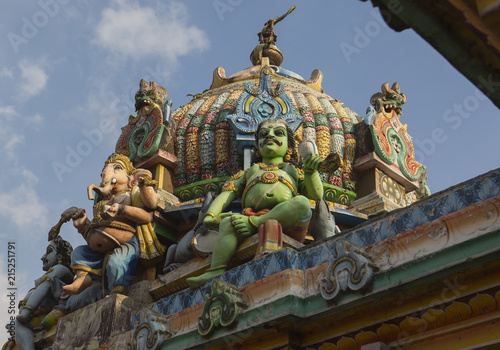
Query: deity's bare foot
[(242, 224), (195, 282), (78, 285), (24, 316)]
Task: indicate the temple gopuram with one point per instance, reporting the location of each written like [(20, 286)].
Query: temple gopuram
[(266, 214)]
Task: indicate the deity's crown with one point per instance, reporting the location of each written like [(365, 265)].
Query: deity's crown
[(124, 160)]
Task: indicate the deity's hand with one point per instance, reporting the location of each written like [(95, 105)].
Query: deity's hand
[(312, 162), (79, 219), (112, 211), (78, 214), (213, 222)]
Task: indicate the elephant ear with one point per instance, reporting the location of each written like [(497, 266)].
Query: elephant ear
[(132, 181), (137, 175)]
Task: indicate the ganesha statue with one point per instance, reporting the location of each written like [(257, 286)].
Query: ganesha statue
[(121, 230)]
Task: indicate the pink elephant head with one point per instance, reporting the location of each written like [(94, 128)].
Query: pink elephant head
[(118, 175)]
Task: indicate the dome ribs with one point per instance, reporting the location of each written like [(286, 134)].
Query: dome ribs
[(349, 145), (336, 138), (207, 137), (181, 141), (222, 136)]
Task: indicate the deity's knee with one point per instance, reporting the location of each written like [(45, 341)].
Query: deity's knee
[(300, 206), (226, 226)]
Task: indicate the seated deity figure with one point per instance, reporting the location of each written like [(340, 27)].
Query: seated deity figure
[(269, 189), (35, 308), (121, 231)]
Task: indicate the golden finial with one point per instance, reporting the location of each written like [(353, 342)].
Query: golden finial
[(267, 41)]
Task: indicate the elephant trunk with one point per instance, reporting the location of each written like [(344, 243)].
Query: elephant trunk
[(93, 188)]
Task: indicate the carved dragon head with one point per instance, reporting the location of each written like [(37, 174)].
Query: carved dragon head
[(149, 93), (390, 99)]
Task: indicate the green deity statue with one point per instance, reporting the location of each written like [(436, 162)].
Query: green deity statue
[(269, 189)]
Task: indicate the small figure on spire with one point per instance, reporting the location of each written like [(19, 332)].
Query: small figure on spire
[(267, 36), (267, 41)]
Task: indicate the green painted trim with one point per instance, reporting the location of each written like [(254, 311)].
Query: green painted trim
[(200, 189), (434, 267), (165, 233), (338, 195), (446, 262), (247, 324)]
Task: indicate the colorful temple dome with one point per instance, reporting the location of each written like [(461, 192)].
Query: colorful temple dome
[(214, 128), (200, 145)]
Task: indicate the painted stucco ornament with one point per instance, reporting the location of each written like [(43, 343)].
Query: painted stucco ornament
[(391, 141), (322, 224), (181, 252), (422, 192), (269, 189), (222, 307), (121, 232), (350, 270), (151, 330), (144, 134), (43, 305), (263, 101)]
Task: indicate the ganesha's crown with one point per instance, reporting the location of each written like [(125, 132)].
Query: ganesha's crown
[(116, 157)]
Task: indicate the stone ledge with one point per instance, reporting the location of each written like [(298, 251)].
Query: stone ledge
[(94, 325)]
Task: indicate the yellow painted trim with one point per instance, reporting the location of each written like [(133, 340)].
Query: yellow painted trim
[(247, 104), (95, 272), (282, 103), (160, 175), (401, 303), (468, 333)]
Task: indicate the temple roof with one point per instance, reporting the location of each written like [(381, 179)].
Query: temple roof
[(213, 129), (466, 33)]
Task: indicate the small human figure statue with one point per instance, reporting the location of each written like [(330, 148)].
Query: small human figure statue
[(121, 230), (267, 35), (34, 308), (269, 189)]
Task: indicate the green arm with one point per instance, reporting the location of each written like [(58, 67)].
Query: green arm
[(313, 184), (215, 212)]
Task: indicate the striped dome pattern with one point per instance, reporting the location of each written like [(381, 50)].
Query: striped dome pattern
[(206, 144)]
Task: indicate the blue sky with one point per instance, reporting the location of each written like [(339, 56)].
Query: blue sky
[(69, 70)]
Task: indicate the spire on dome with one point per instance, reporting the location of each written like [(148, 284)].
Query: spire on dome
[(267, 41)]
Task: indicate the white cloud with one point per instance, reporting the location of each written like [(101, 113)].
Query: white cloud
[(8, 138), (7, 112), (10, 141), (33, 79), (6, 73), (134, 31), (35, 120), (31, 178), (23, 208)]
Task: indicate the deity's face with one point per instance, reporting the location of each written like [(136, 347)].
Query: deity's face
[(114, 178), (272, 139), (49, 259)]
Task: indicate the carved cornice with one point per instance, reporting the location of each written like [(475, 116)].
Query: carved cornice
[(221, 308), (474, 312), (350, 270), (150, 331)]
